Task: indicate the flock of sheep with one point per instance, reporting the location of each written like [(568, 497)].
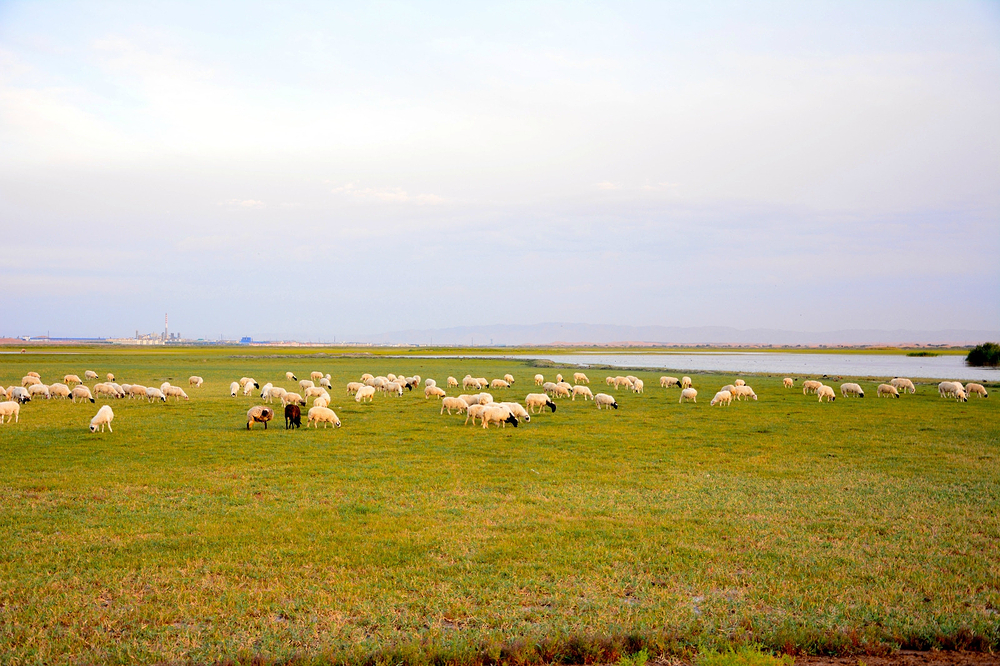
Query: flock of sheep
[(479, 406)]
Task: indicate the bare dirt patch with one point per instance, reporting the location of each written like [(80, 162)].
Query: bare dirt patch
[(907, 658)]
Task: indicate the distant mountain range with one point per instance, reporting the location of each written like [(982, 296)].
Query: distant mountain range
[(581, 334)]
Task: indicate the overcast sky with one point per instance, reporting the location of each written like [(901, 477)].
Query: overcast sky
[(311, 170)]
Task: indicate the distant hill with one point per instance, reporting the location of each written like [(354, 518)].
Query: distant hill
[(581, 334)]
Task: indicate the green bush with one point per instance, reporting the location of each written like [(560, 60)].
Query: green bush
[(987, 353), (745, 655), (638, 659)]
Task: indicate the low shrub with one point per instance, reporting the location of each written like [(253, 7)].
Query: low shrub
[(986, 354)]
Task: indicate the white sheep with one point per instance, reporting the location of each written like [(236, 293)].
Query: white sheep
[(722, 398), (119, 389), (500, 414), (887, 390), (322, 415), (364, 392), (562, 390), (365, 377), (485, 398), (740, 392), (110, 376), (39, 389), (469, 399), (19, 393), (474, 412), (290, 376), (259, 414), (427, 382), (978, 389), (321, 401), (953, 390), (903, 385), (469, 382), (549, 387), (827, 392), (60, 390), (315, 375), (391, 377), (810, 386), (103, 418), (81, 392), (305, 384), (325, 383), (788, 382), (176, 392), (483, 382), (518, 411), (688, 394), (667, 382), (580, 378), (637, 386), (729, 387), (559, 378), (509, 378), (34, 374), (622, 381), (276, 393), (155, 394), (72, 379), (435, 391), (453, 403), (105, 389), (354, 387), (164, 385), (685, 382), (195, 381), (739, 382), (539, 380), (452, 382), (609, 380), (10, 409), (605, 400), (292, 399), (394, 387), (244, 380), (315, 392), (90, 374), (265, 390), (30, 380), (249, 387), (582, 390), (851, 389), (499, 384), (234, 388), (538, 401)]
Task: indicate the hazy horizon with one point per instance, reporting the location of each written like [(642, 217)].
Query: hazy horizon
[(310, 171)]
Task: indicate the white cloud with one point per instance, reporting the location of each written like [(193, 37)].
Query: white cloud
[(243, 203), (387, 194)]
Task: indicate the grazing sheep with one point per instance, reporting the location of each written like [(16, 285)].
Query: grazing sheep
[(722, 398), (427, 382), (34, 374), (19, 393), (788, 382), (325, 383), (562, 390), (164, 386), (244, 380), (72, 379), (667, 382), (452, 382), (739, 382), (119, 390), (365, 392), (394, 387), (435, 391), (234, 388), (539, 380), (549, 387), (688, 394), (305, 384), (499, 384), (482, 382), (622, 381), (605, 400), (953, 390), (292, 399), (518, 411), (810, 386), (852, 389), (103, 418), (175, 392), (539, 401), (265, 390), (110, 376), (59, 390), (470, 382), (978, 389), (609, 380), (469, 399), (249, 387), (474, 412), (315, 375), (903, 385), (105, 389), (485, 398), (90, 374), (195, 381), (744, 391), (315, 392), (276, 393), (81, 392), (365, 377), (391, 377), (30, 380), (126, 388), (499, 414), (509, 378), (826, 392), (580, 378), (323, 415), (354, 387), (293, 416), (155, 394), (729, 387), (582, 390), (453, 403), (887, 390), (322, 401), (10, 409), (685, 382), (380, 383), (290, 376), (637, 386), (559, 378), (259, 414), (39, 389)]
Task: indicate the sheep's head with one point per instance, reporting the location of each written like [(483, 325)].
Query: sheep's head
[(93, 428), (511, 419)]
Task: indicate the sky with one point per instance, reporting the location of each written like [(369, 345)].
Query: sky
[(313, 171)]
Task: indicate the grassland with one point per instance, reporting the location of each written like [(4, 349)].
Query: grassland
[(404, 537)]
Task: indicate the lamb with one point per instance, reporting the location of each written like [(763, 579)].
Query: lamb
[(453, 403), (739, 382), (435, 391), (474, 412), (605, 400), (292, 399), (30, 380), (722, 398), (499, 384), (155, 394), (667, 382), (826, 392), (685, 382), (323, 415), (539, 380), (90, 374), (509, 378), (637, 386), (305, 384), (365, 392), (175, 392), (688, 394), (103, 418), (452, 382), (540, 401), (744, 391), (293, 416), (81, 392), (353, 387), (499, 414), (887, 390), (978, 389), (582, 390), (322, 401), (428, 382), (61, 390), (852, 389), (903, 384), (195, 381), (518, 411), (72, 379), (290, 376), (259, 414), (810, 386), (580, 378), (315, 375), (234, 388), (788, 382), (39, 389), (10, 409)]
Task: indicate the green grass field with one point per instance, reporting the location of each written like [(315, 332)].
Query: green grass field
[(405, 538)]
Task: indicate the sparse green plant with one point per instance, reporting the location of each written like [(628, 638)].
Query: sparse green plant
[(635, 659), (986, 354), (744, 655)]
